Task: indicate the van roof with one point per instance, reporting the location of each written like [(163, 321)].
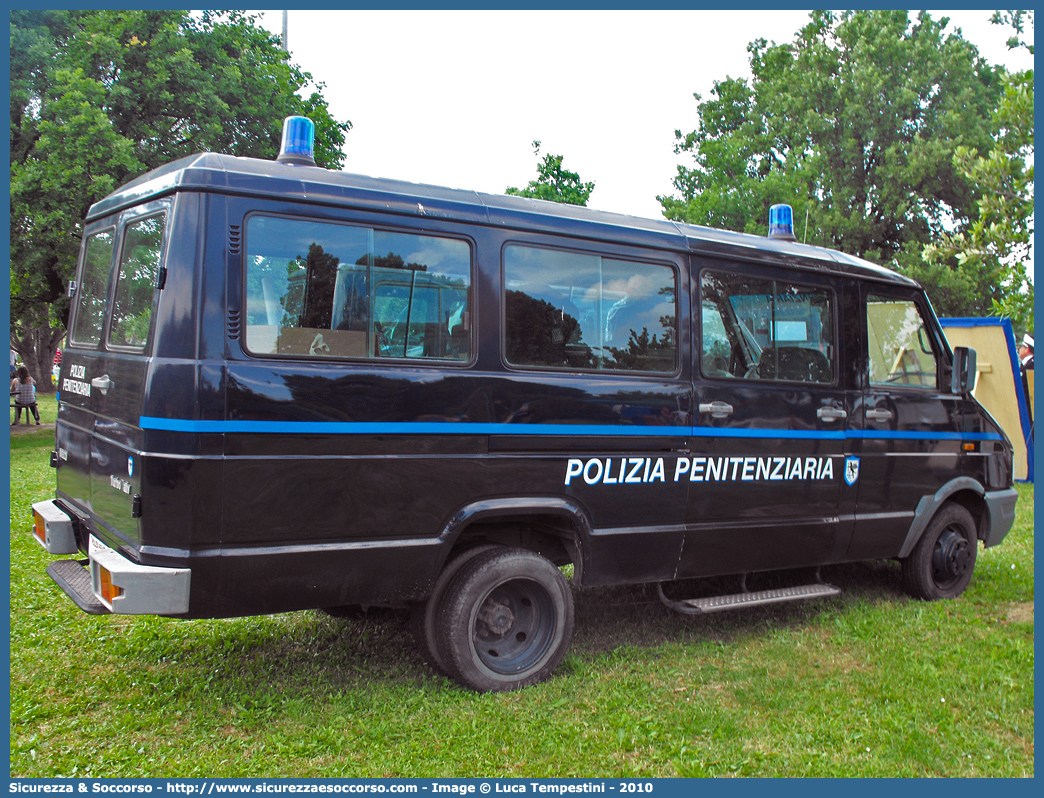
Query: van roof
[(233, 175)]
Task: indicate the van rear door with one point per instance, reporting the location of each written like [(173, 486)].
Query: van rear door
[(104, 371)]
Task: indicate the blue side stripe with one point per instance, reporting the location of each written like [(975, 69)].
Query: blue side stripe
[(924, 436), (463, 428), (402, 428), (790, 434)]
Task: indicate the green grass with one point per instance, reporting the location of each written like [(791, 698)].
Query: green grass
[(867, 684)]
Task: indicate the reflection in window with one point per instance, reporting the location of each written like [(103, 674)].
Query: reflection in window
[(94, 289), (318, 289), (136, 282), (765, 330), (579, 311), (900, 347)]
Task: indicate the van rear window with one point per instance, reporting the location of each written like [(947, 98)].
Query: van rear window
[(136, 282), (587, 312), (94, 289), (327, 290)]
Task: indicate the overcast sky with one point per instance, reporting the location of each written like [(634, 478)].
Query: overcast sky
[(455, 98)]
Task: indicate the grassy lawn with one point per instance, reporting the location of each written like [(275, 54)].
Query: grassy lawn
[(867, 684)]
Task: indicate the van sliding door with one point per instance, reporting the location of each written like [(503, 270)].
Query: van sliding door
[(772, 412), (595, 402)]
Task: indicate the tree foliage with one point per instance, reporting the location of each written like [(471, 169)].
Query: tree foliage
[(998, 238), (99, 97), (554, 183), (855, 124)]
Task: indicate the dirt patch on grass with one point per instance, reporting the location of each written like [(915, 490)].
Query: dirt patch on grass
[(23, 428), (1022, 612)]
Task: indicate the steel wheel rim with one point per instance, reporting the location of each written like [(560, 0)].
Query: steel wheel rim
[(951, 557), (514, 626)]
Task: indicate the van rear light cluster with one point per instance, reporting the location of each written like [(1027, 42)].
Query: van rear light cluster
[(39, 528), (108, 590)]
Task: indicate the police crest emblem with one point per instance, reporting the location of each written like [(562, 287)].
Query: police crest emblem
[(851, 470)]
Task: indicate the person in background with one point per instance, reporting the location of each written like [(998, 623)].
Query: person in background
[(14, 361), (23, 389), (1026, 352), (1026, 363)]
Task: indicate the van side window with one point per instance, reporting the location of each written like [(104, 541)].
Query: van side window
[(901, 349), (94, 289), (581, 311), (321, 289), (760, 329), (136, 282)]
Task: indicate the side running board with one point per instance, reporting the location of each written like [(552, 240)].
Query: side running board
[(701, 606)]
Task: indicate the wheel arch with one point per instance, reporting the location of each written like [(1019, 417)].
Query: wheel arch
[(965, 491), (551, 526)]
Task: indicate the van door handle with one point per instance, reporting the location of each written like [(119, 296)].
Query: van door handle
[(828, 413), (716, 409), (102, 383), (879, 414)]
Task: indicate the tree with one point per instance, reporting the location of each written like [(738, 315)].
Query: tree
[(554, 183), (855, 124), (998, 239), (99, 97)]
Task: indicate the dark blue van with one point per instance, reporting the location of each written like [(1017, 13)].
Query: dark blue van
[(290, 388)]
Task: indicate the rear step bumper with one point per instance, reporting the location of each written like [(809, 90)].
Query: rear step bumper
[(74, 579), (756, 598)]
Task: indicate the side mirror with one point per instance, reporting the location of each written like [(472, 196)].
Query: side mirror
[(962, 378)]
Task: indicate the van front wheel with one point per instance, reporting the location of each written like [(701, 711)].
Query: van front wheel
[(504, 621), (941, 564)]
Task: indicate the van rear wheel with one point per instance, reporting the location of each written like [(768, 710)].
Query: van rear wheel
[(505, 620), (423, 614), (941, 564)]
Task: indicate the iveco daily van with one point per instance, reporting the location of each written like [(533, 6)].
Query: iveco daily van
[(288, 388)]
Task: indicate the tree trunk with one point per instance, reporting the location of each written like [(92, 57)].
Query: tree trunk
[(37, 346)]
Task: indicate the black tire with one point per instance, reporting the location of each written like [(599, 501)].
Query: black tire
[(505, 620), (940, 565), (422, 613)]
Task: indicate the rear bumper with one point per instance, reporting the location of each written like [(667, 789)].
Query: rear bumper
[(1000, 506), (53, 529), (137, 589), (107, 581)]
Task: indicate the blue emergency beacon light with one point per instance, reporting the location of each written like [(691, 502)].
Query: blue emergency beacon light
[(781, 223), (298, 145)]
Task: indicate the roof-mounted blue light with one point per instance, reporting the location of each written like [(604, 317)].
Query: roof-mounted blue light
[(298, 145), (781, 223)]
